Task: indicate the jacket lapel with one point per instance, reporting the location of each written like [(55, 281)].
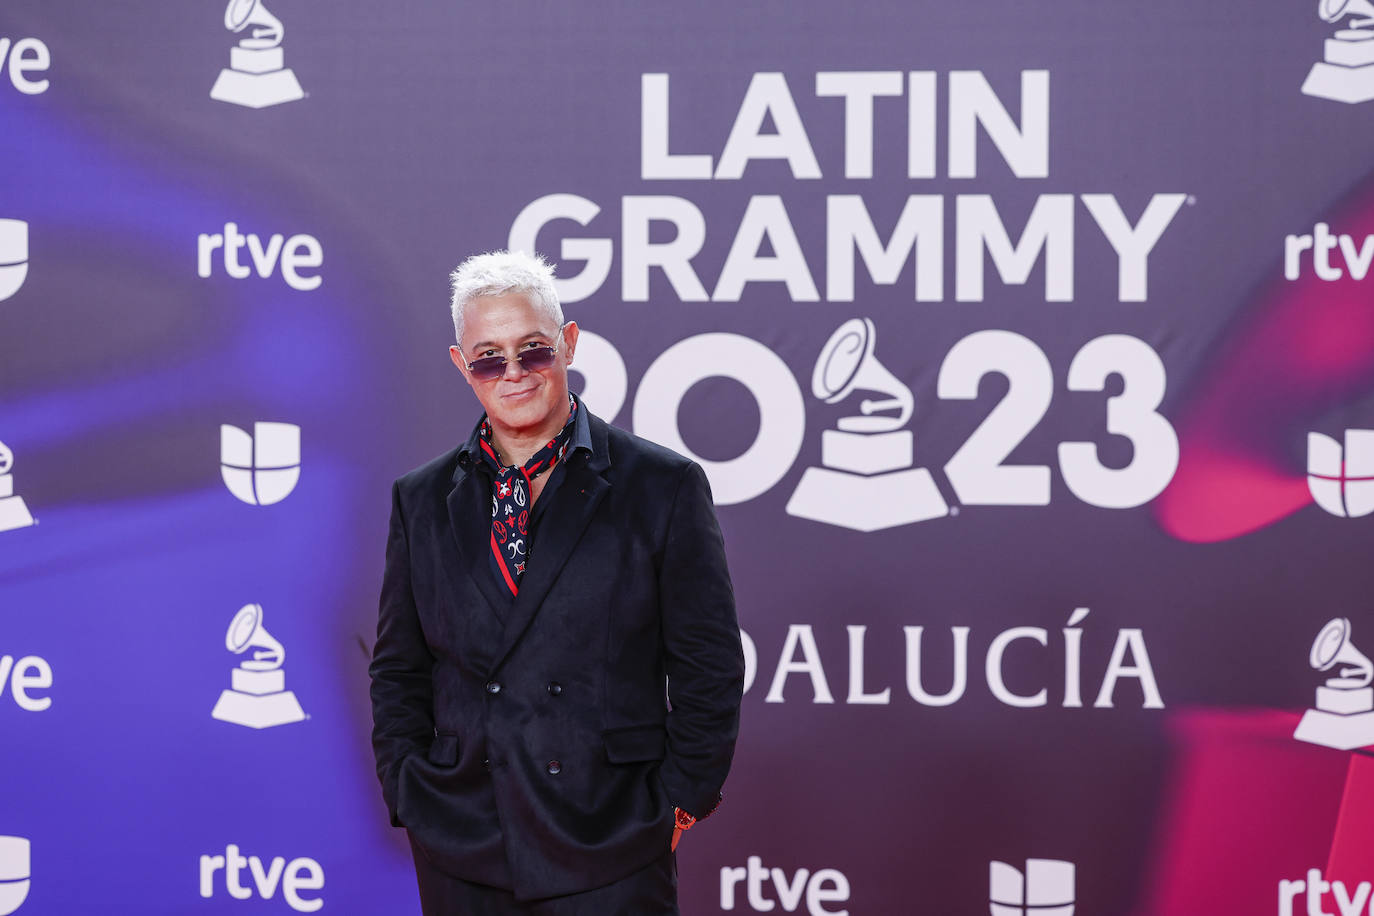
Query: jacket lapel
[(469, 513), (577, 498)]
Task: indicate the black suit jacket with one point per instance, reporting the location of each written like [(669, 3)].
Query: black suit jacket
[(528, 744)]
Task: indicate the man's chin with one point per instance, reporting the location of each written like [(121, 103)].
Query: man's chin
[(520, 413)]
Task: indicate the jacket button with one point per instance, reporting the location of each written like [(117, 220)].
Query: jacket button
[(555, 767), (493, 687), (555, 688), (486, 763)]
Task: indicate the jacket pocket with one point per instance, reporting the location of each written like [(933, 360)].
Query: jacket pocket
[(635, 744), (443, 751)]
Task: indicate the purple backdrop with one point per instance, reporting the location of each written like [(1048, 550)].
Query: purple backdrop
[(1026, 347)]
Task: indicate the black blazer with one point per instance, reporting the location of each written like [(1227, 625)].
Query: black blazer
[(527, 744)]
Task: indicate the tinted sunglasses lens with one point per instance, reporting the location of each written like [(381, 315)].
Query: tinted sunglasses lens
[(488, 367), (537, 358)]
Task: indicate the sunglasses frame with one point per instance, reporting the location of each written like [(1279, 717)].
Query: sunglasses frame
[(519, 357)]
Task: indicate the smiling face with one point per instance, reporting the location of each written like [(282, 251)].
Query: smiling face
[(517, 402)]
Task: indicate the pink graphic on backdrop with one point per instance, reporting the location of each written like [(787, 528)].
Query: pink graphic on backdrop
[(1302, 348), (1248, 807), (1352, 846)]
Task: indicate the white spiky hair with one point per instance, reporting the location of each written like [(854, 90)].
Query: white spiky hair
[(498, 273)]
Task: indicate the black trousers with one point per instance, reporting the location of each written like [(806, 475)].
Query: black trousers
[(651, 891)]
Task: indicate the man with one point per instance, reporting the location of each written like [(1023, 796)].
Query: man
[(542, 581)]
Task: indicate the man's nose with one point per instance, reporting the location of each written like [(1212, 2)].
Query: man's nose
[(515, 370)]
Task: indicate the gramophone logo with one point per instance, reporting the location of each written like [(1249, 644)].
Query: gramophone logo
[(14, 873), (868, 482), (1341, 480), (257, 76), (14, 256), (13, 512), (1347, 73), (1344, 716), (263, 468), (1045, 888), (257, 696)]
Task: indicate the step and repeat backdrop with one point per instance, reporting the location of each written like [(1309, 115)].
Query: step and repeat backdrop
[(1027, 347)]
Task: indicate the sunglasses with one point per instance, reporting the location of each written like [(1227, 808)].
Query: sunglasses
[(531, 360)]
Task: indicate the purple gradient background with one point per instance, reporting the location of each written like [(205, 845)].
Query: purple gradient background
[(426, 129)]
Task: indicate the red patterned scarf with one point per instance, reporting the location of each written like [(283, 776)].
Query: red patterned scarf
[(510, 501)]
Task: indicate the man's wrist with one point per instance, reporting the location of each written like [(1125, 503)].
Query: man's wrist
[(685, 819)]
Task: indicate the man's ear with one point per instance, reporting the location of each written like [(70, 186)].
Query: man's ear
[(570, 339)]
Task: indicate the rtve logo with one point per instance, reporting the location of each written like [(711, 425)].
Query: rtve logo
[(1044, 889), (24, 676), (293, 254), (827, 885), (1349, 901), (1322, 243), (27, 55), (303, 874)]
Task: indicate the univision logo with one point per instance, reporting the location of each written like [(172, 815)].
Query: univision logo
[(14, 873), (14, 256), (1045, 888), (1341, 480), (263, 468)]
